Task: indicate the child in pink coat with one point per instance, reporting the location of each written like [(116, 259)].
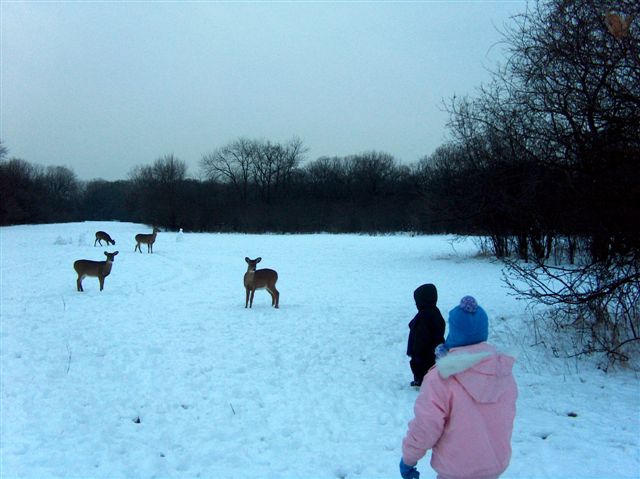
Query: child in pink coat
[(466, 406)]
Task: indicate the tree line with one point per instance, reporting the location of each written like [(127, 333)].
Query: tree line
[(247, 185)]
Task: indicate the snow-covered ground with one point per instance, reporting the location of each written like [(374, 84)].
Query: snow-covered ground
[(166, 374)]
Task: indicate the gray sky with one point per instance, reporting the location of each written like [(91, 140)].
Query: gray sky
[(103, 86)]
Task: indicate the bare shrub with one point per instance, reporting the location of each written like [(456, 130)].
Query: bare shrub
[(597, 304)]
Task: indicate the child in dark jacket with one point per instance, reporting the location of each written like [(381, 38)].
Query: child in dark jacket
[(426, 331)]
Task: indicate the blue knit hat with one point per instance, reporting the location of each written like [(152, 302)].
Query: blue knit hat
[(468, 324)]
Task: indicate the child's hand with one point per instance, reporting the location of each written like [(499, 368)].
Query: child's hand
[(408, 472), (441, 351)]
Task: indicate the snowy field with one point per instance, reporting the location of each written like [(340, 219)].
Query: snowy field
[(166, 374)]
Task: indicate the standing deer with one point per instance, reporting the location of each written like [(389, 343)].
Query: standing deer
[(258, 279), (103, 236), (96, 269), (147, 239)]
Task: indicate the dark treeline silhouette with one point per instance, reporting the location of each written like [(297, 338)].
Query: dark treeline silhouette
[(247, 185)]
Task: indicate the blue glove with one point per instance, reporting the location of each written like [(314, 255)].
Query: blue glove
[(441, 351), (408, 472)]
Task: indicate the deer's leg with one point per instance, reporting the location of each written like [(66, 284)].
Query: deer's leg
[(246, 303), (79, 283), (253, 291), (101, 278), (273, 296), (276, 297)]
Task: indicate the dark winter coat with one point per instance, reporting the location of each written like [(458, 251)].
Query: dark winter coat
[(426, 329)]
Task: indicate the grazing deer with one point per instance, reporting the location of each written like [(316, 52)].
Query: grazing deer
[(103, 236), (96, 269), (258, 279), (147, 239)]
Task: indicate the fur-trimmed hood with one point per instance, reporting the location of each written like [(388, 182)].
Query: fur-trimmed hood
[(483, 371)]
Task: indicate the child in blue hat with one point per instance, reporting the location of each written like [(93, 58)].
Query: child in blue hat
[(466, 409), (468, 324)]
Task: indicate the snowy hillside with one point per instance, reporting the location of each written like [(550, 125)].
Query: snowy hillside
[(166, 374)]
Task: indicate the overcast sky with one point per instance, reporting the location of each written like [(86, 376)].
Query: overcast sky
[(104, 86)]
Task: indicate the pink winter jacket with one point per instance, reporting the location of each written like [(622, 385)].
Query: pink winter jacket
[(465, 413)]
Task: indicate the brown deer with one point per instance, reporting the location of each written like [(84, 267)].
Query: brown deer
[(96, 269), (258, 279), (618, 24), (147, 239), (103, 236)]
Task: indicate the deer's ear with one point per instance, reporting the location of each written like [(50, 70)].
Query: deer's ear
[(246, 258), (258, 259), (116, 253), (106, 254)]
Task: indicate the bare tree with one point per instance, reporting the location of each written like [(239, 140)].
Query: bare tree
[(327, 177), (169, 170), (372, 170), (599, 303), (274, 165), (266, 162), (233, 164), (561, 124), (294, 152), (157, 191), (61, 183), (19, 192)]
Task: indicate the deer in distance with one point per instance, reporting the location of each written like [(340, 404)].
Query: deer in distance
[(103, 236), (147, 239), (259, 279), (95, 269)]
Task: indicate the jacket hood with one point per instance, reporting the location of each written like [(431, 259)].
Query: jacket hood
[(425, 296), (482, 371)]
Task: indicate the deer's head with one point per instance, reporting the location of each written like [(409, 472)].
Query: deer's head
[(252, 263)]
